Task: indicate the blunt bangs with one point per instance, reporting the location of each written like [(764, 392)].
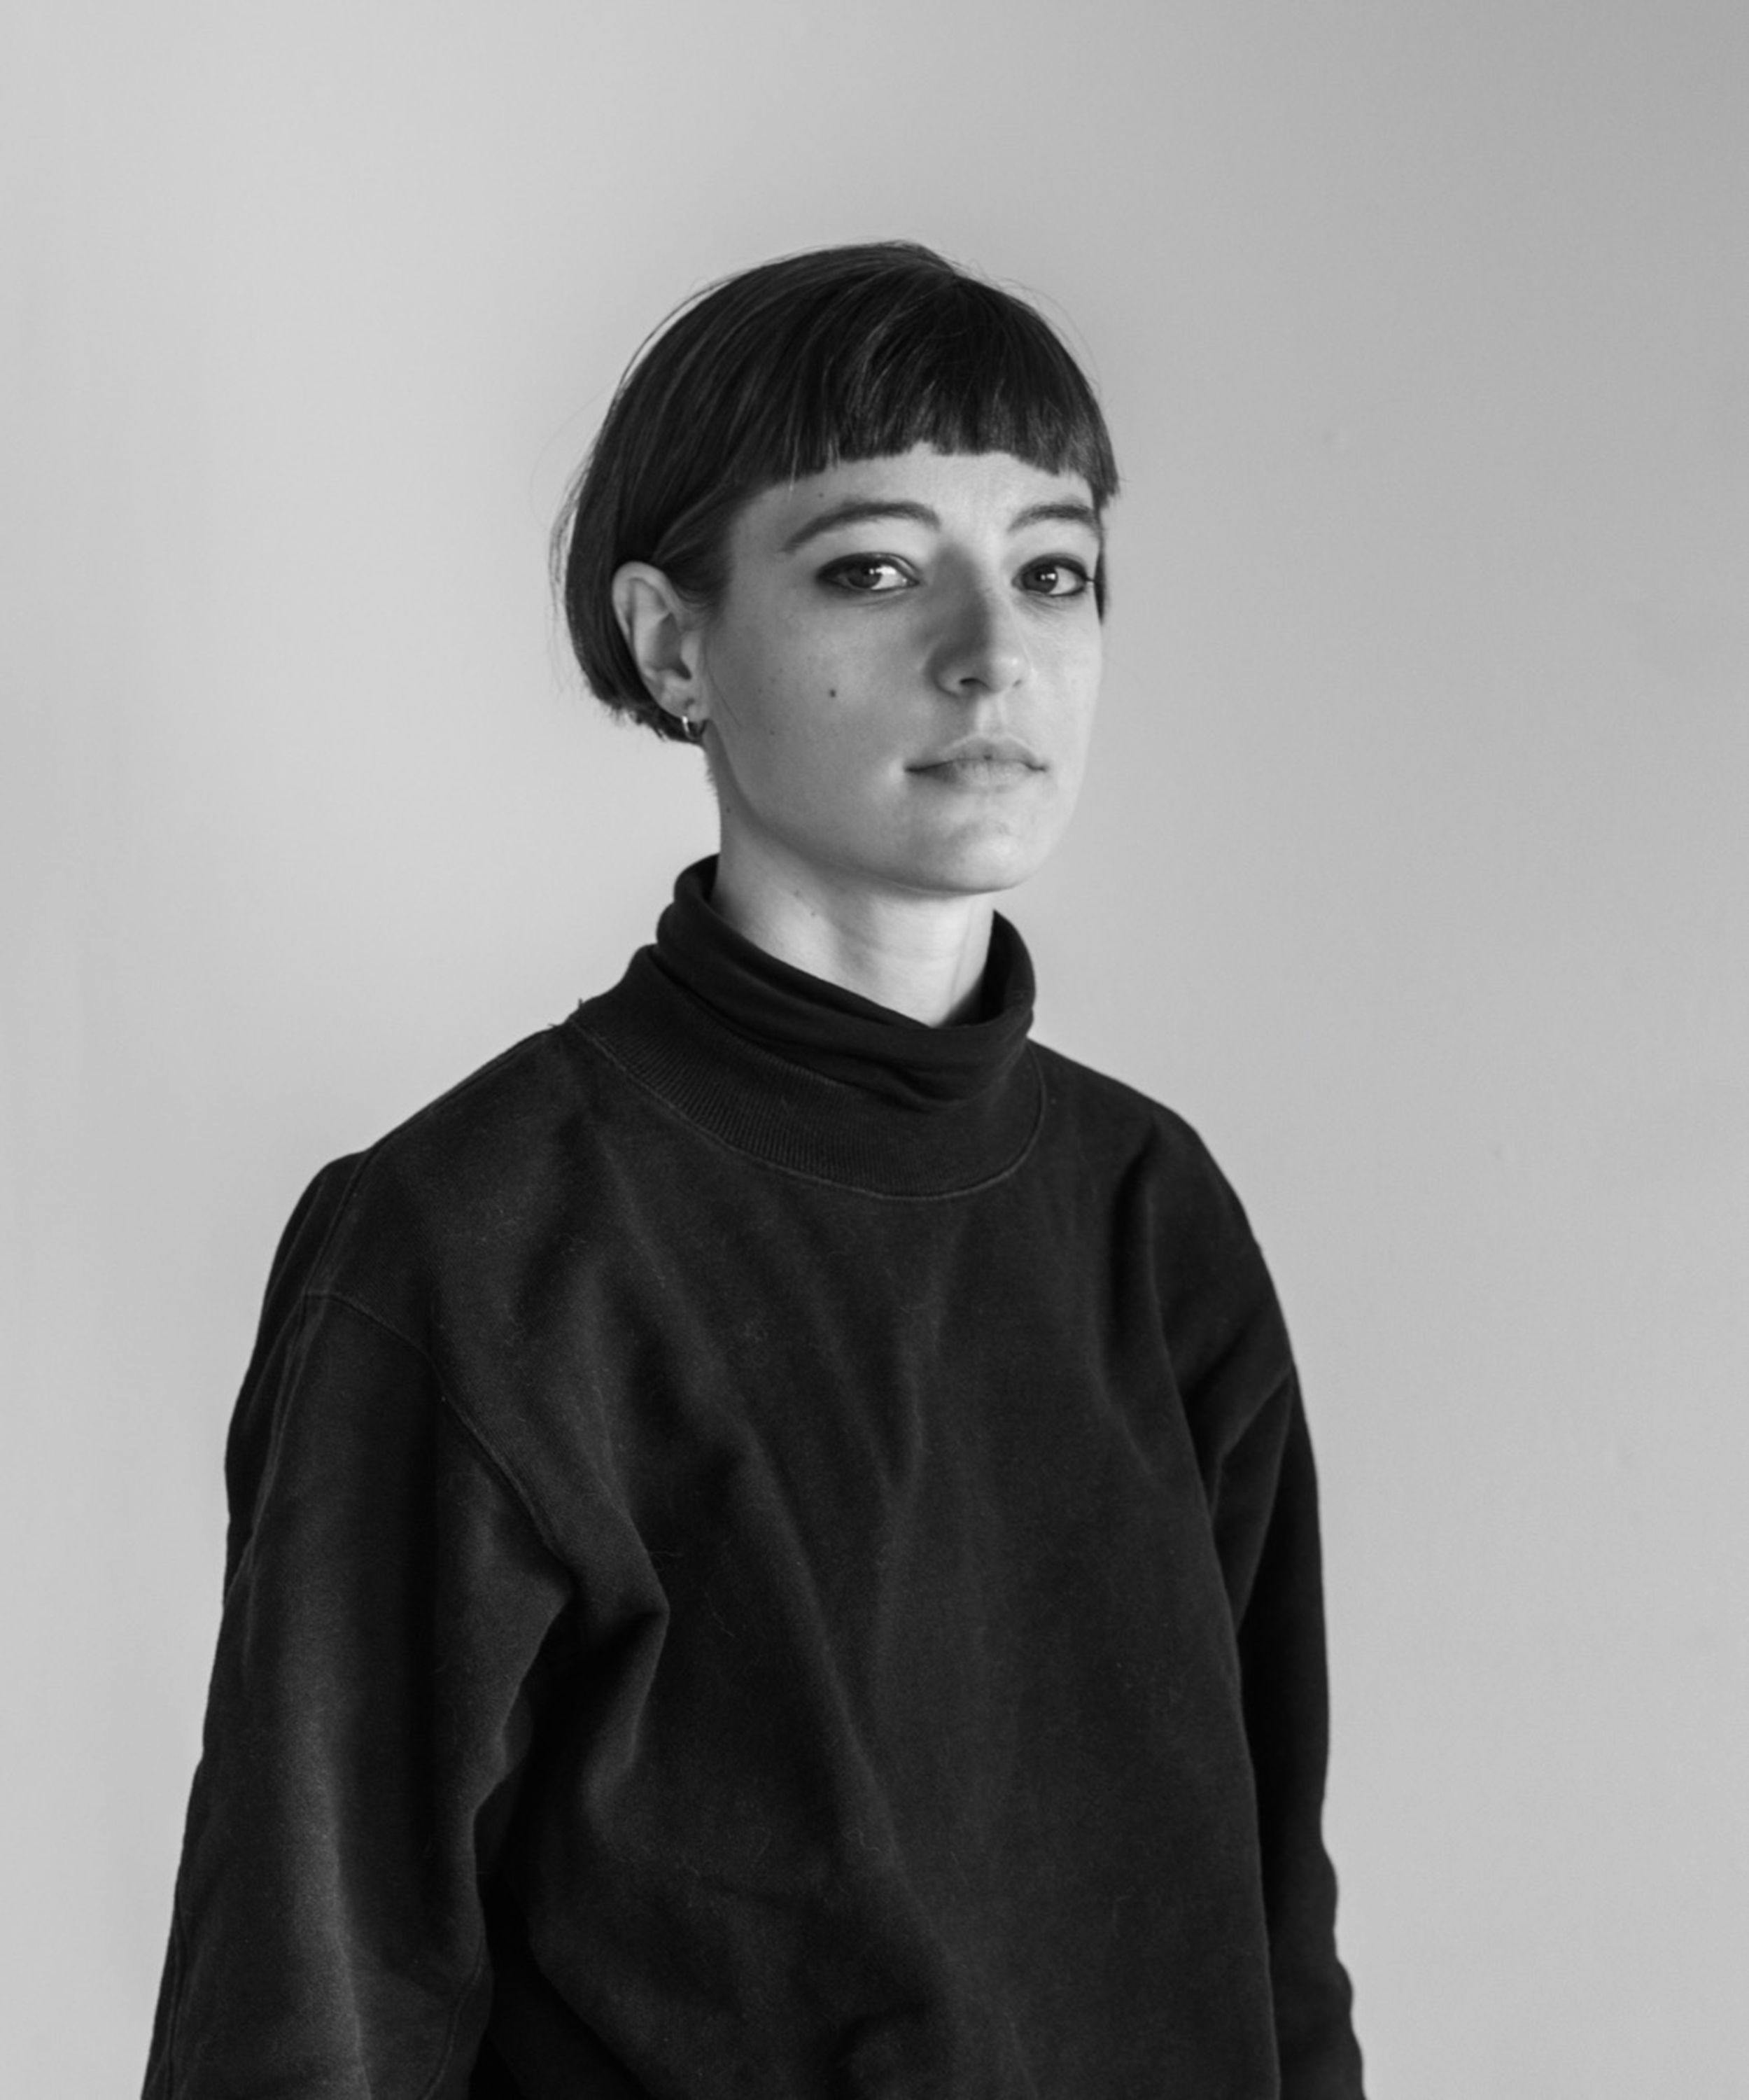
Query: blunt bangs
[(782, 371), (910, 355)]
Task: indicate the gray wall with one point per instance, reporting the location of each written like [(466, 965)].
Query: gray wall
[(1411, 868)]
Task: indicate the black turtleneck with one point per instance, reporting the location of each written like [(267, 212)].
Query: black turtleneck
[(774, 1551)]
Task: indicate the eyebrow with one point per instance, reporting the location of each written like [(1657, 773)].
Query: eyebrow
[(860, 510)]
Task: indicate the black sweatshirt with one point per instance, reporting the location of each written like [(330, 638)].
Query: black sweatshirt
[(773, 1553)]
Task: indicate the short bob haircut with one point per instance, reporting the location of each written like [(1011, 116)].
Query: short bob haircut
[(781, 371)]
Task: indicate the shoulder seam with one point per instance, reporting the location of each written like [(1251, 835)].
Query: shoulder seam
[(357, 1164), (451, 1406)]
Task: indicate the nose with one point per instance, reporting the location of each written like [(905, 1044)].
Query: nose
[(981, 648)]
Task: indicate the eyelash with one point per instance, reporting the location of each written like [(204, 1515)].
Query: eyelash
[(835, 574)]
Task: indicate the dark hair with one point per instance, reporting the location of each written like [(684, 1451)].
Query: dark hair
[(780, 372)]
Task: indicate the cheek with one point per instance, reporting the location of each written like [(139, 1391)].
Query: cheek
[(804, 724), (1090, 670), (810, 704), (795, 736), (831, 745), (1074, 678)]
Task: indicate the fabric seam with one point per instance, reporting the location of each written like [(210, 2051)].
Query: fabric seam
[(1004, 1173), (463, 1420)]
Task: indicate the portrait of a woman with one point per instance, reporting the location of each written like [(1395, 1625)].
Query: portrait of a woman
[(774, 1544)]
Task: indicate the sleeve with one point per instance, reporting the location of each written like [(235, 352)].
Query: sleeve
[(390, 1612), (1231, 1350), (1265, 1523)]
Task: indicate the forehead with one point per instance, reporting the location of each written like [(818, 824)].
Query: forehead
[(979, 493)]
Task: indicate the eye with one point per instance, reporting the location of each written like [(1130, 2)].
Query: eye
[(1057, 576), (870, 576)]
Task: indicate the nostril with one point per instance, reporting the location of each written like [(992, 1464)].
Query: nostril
[(989, 658)]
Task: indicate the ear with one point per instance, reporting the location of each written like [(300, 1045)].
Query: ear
[(662, 633)]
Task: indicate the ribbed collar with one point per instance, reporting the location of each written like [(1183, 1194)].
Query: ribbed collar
[(814, 1078)]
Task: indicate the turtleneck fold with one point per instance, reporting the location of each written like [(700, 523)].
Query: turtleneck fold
[(809, 1076)]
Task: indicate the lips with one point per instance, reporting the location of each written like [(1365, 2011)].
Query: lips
[(993, 754)]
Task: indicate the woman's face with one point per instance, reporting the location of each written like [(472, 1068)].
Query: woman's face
[(899, 677)]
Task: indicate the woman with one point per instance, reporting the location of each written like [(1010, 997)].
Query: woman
[(774, 1546)]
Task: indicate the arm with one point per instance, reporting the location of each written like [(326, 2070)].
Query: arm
[(387, 1603), (1231, 1351), (1266, 1521)]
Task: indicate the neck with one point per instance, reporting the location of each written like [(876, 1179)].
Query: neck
[(921, 956)]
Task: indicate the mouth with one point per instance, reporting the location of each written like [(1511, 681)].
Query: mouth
[(983, 761)]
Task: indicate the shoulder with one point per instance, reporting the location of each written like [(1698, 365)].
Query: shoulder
[(1153, 1171), (1119, 1130), (485, 1167)]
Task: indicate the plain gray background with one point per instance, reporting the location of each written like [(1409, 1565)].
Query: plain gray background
[(1412, 867)]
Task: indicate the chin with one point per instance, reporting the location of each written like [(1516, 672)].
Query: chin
[(977, 867)]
